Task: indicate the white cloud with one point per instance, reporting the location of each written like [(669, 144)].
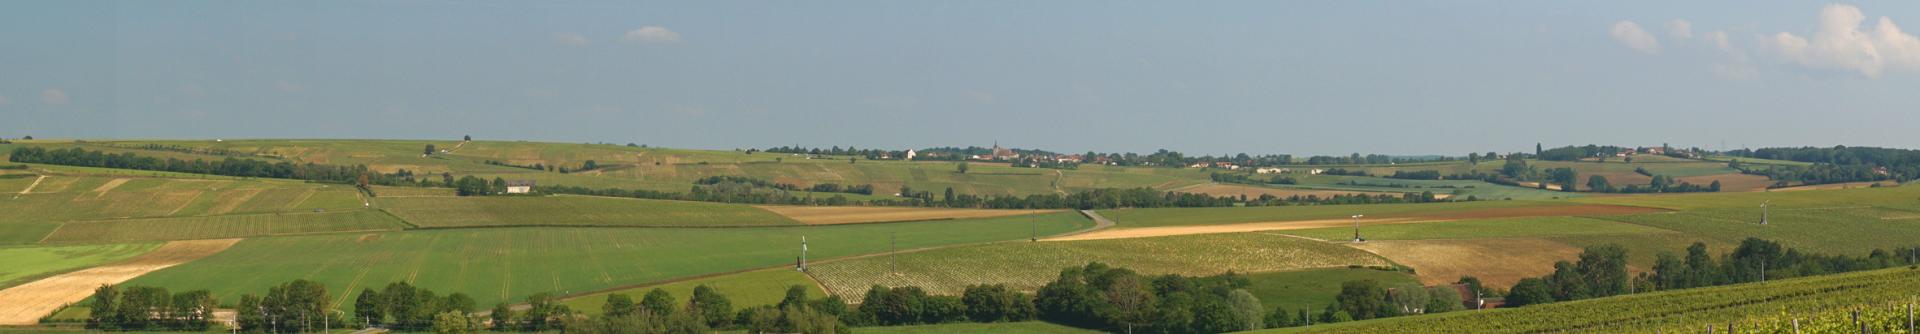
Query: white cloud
[(54, 97), (1719, 39), (1680, 29), (1841, 43), (288, 87), (570, 39), (1630, 35), (651, 35)]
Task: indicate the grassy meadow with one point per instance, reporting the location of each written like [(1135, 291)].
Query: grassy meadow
[(1216, 216), (23, 264), (1314, 289), (508, 264), (442, 212), (1483, 228)]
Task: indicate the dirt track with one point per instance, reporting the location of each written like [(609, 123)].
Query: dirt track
[(828, 215), (26, 303)]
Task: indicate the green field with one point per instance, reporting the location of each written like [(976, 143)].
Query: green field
[(435, 212), (224, 226), (1215, 216), (96, 200), (1483, 228), (502, 264), (748, 289), (1891, 197), (1031, 327), (1028, 265), (1851, 231), (22, 264), (1459, 189), (1314, 289), (1679, 311)]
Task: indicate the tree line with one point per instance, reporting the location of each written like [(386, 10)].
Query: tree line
[(1601, 270), (1833, 164), (226, 167)]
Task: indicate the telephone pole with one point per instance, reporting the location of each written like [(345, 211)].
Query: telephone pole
[(1763, 212), (803, 253), (1356, 228)]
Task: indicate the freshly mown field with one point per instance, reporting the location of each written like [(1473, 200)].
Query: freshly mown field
[(21, 264), (1483, 228), (1028, 265), (748, 289), (61, 199), (1031, 327), (1679, 311), (224, 226), (435, 212), (1128, 218), (508, 264), (1314, 289)]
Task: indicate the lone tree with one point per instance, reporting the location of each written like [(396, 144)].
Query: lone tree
[(466, 138), (962, 168), (429, 149)]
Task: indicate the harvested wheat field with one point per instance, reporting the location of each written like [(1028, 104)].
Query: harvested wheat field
[(829, 215), (1219, 189), (1497, 262), (26, 303)]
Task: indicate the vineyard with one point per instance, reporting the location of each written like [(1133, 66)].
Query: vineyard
[(1823, 301)]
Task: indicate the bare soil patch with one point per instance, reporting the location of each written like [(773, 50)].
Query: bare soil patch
[(828, 215), (1218, 189), (26, 303), (115, 183), (1497, 262), (1732, 182)]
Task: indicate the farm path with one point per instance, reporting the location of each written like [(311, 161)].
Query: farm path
[(36, 182), (26, 303)]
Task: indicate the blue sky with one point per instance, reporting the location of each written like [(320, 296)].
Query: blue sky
[(1298, 77)]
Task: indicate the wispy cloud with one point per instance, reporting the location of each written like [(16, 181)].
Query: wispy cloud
[(54, 97), (1842, 43), (1633, 37), (1680, 29), (570, 39), (651, 35)]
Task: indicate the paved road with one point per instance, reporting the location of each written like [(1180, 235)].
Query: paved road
[(1099, 223)]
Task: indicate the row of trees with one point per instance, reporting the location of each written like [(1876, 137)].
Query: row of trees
[(1601, 270), (1834, 164), (863, 189), (150, 308), (226, 167)]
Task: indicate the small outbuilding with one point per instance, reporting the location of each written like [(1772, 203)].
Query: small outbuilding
[(519, 186)]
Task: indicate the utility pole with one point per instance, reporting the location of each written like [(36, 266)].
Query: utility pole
[(1356, 228), (803, 253), (893, 259), (1763, 212), (1033, 227)]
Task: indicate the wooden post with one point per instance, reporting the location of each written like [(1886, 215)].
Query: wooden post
[(1909, 317), (1709, 328), (1796, 325)]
